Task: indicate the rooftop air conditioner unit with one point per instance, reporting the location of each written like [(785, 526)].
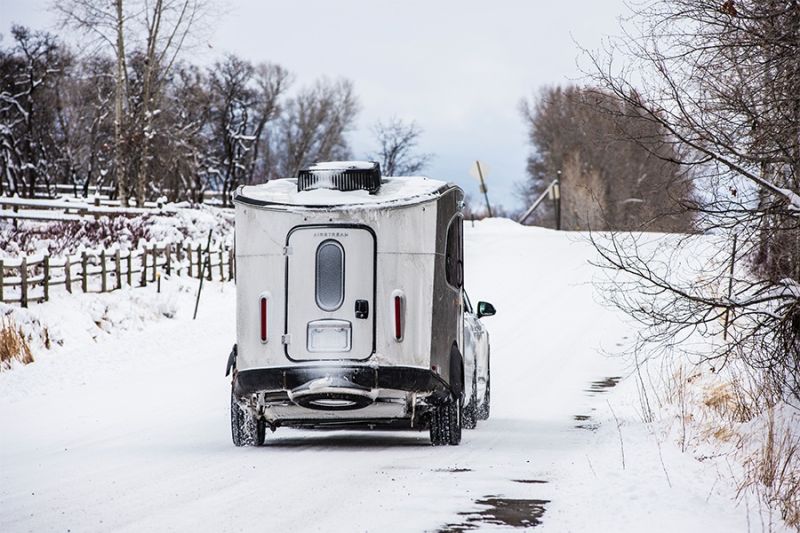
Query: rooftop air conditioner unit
[(341, 176)]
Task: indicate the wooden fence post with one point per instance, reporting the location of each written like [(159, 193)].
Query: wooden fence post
[(84, 274), (23, 272), (168, 264), (118, 268), (208, 260), (199, 261), (144, 267), (68, 273), (231, 263), (221, 261), (103, 272), (129, 267), (2, 275), (154, 252), (46, 278)]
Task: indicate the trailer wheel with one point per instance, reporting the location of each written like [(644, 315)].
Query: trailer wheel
[(470, 411), (237, 423), (446, 423), (246, 430)]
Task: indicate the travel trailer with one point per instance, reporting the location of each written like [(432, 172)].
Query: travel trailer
[(351, 310)]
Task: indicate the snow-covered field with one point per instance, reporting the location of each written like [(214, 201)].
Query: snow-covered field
[(125, 426)]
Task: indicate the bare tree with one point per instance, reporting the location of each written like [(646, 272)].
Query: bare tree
[(160, 29), (724, 80), (271, 82), (28, 75), (312, 127), (106, 22), (397, 142), (168, 24)]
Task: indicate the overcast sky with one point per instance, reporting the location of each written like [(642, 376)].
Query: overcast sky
[(457, 67)]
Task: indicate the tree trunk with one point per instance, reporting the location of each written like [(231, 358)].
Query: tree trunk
[(147, 92), (119, 86)]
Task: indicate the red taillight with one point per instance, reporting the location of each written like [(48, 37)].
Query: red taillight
[(398, 298), (263, 319), (398, 320)]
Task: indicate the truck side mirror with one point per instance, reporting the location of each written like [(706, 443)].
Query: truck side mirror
[(485, 309)]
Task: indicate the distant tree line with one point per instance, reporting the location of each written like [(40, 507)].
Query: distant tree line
[(617, 169), (146, 124)]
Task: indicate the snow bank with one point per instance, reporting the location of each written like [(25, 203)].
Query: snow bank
[(37, 332), (78, 321), (143, 412)]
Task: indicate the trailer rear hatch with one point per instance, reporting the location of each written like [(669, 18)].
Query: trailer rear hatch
[(330, 292)]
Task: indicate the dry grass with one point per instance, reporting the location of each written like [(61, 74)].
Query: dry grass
[(743, 416), (773, 471), (13, 345)]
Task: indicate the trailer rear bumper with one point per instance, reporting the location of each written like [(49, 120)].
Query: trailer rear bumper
[(356, 378)]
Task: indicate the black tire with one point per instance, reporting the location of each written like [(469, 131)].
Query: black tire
[(237, 423), (445, 425), (261, 432), (438, 428), (470, 411), (455, 418), (484, 409), (245, 429)]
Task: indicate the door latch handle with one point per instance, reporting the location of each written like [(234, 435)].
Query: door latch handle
[(362, 309)]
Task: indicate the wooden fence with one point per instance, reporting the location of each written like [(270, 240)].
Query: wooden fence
[(69, 209), (30, 279), (66, 208)]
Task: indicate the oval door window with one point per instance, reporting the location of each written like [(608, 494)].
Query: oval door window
[(330, 275)]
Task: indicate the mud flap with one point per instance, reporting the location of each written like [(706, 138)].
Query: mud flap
[(231, 362)]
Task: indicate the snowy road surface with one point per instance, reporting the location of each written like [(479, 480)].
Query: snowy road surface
[(131, 431)]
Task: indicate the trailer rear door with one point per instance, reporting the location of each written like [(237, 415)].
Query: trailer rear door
[(330, 293)]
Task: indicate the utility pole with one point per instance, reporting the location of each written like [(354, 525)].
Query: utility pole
[(478, 170), (555, 194)]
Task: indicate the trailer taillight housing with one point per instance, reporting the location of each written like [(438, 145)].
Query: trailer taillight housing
[(263, 313), (399, 309)]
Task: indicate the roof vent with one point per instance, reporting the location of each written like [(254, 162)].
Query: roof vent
[(341, 176)]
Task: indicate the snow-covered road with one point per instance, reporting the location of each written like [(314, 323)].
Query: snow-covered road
[(131, 432)]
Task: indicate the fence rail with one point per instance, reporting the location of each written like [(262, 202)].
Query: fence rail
[(29, 279), (77, 191), (67, 208)]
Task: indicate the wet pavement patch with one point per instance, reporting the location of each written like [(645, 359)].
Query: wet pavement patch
[(585, 422), (530, 481), (500, 512), (603, 384)]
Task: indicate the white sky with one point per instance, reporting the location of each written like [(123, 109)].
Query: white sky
[(457, 67)]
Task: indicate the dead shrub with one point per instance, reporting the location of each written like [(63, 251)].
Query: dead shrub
[(13, 345)]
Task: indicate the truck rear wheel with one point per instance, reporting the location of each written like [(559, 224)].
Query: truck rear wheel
[(484, 408), (470, 411)]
